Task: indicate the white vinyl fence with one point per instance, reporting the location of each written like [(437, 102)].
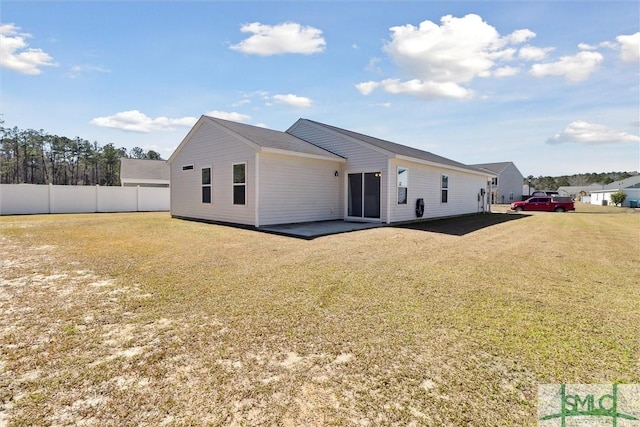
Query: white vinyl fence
[(18, 199)]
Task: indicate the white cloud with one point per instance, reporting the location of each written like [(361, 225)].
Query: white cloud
[(573, 68), (293, 100), (289, 37), (366, 88), (372, 66), (532, 53), (224, 115), (629, 47), (241, 103), (581, 132), (438, 59), (426, 89), (520, 36), (76, 70), (135, 121), (16, 55), (506, 71)]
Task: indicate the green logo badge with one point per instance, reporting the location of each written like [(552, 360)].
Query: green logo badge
[(568, 405)]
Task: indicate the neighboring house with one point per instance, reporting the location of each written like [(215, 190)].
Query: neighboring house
[(144, 173), (229, 172), (507, 186), (630, 186), (579, 192)]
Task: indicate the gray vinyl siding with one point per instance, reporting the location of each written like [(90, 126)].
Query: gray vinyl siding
[(298, 189), (509, 181), (425, 183), (211, 147), (360, 158)]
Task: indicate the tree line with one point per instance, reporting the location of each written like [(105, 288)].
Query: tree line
[(551, 183), (36, 157)]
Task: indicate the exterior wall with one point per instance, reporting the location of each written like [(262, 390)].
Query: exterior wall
[(509, 181), (632, 194), (211, 146), (17, 199), (297, 189), (425, 182), (360, 158)]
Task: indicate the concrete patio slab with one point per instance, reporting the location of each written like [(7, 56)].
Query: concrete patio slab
[(311, 230)]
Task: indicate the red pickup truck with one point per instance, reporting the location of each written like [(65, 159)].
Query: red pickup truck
[(546, 204)]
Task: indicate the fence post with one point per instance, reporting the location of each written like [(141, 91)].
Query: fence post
[(97, 197), (49, 201)]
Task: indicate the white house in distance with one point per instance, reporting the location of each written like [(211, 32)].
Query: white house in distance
[(507, 186), (228, 172), (144, 173), (630, 186)]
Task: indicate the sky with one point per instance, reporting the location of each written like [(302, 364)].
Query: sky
[(553, 86)]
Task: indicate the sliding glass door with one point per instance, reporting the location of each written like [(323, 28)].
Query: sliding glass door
[(363, 198)]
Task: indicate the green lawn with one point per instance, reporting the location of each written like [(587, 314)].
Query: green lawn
[(140, 319)]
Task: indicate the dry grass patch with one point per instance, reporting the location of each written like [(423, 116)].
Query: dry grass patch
[(139, 319)]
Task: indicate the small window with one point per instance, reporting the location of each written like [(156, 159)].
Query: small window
[(240, 184), (403, 184), (494, 181), (206, 185), (444, 186), (187, 167)]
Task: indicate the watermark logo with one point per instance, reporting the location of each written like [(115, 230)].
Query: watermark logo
[(569, 405)]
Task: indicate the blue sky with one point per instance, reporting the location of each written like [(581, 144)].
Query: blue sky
[(553, 86)]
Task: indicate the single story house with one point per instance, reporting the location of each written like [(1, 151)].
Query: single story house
[(144, 173), (228, 172), (580, 193), (630, 186), (506, 187)]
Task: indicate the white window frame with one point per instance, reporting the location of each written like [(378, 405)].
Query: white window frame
[(234, 184), (209, 185), (188, 167), (444, 187), (400, 184)]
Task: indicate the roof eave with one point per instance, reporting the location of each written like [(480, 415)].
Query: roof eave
[(445, 166), (300, 154)]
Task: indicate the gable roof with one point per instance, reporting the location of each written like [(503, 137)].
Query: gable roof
[(495, 167), (263, 139), (399, 149), (143, 170), (631, 182)]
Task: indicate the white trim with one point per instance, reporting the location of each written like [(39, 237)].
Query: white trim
[(444, 166), (397, 186), (298, 154), (442, 175), (346, 197), (186, 139), (210, 185), (233, 184)]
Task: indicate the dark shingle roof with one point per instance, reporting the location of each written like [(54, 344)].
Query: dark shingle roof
[(399, 149), (269, 138), (631, 182), (493, 167)]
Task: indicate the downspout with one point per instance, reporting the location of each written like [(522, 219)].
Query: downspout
[(388, 202)]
